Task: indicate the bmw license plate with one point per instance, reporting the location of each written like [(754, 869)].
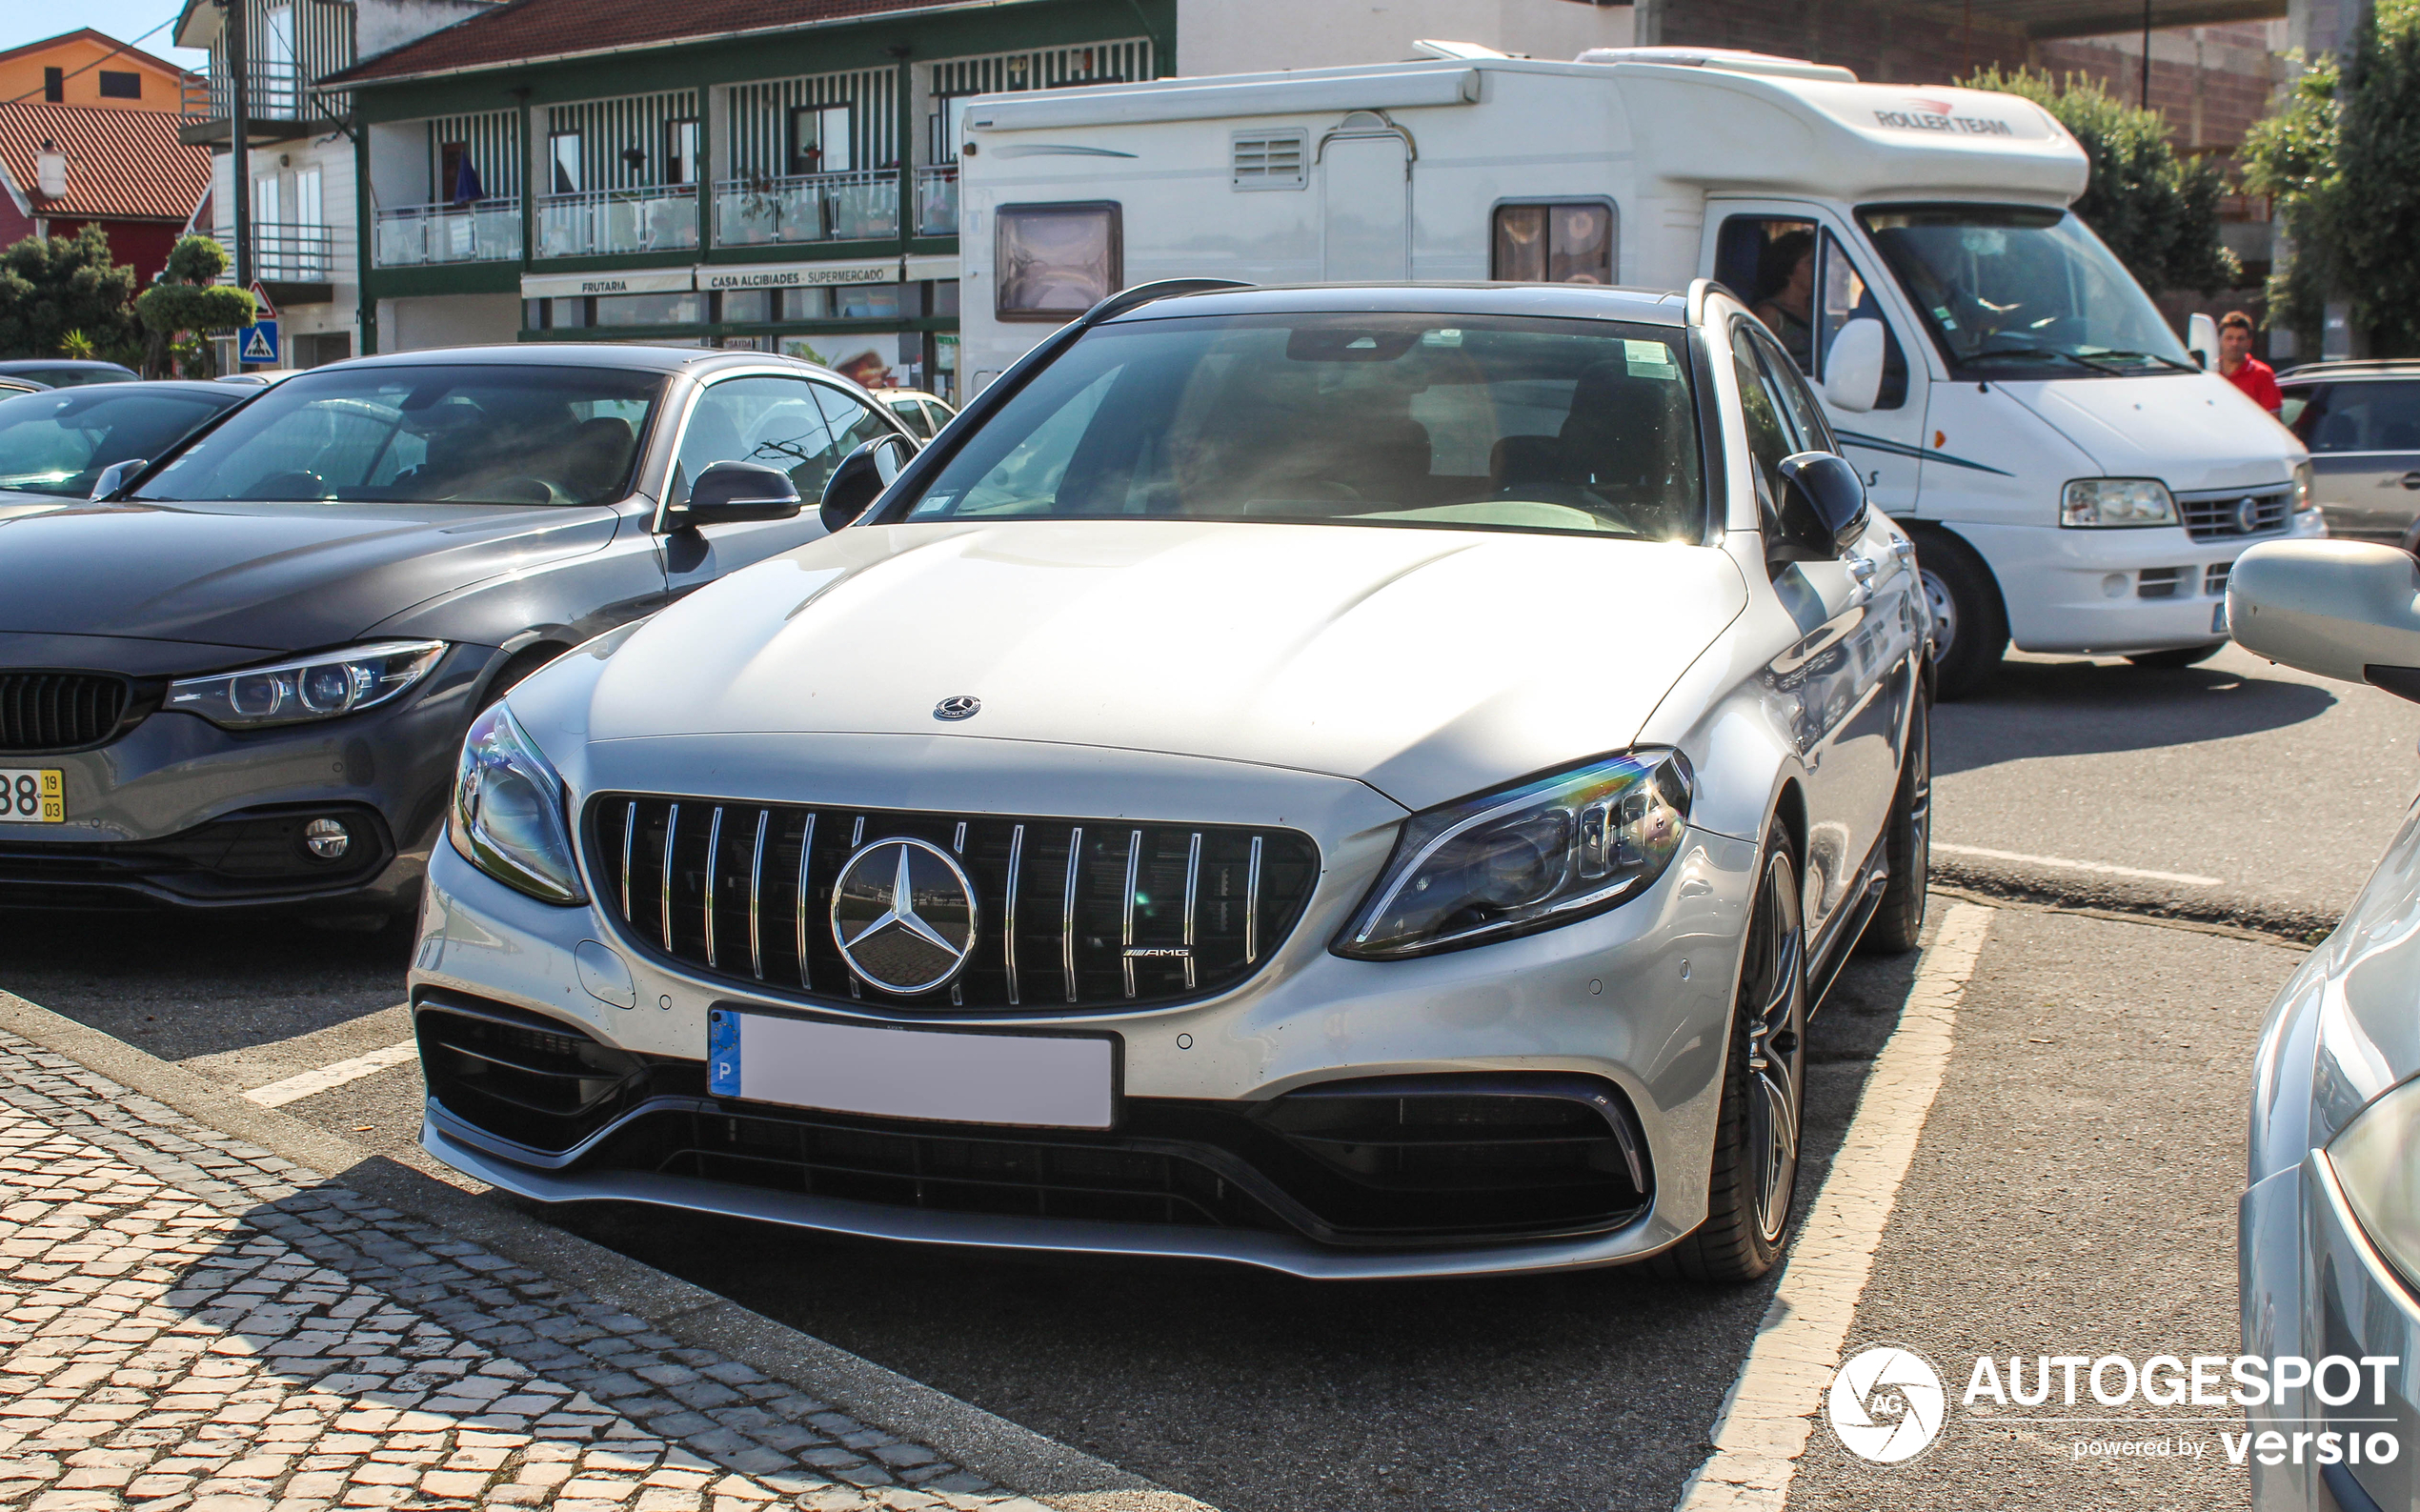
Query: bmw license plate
[(33, 795), (1066, 1082)]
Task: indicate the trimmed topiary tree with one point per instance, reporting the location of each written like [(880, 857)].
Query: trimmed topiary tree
[(185, 299)]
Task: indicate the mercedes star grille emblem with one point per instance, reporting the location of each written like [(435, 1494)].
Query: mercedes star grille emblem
[(961, 706), (903, 915)]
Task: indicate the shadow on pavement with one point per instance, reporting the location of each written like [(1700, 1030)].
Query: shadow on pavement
[(2083, 708)]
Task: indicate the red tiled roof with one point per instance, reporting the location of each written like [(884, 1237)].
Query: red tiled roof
[(121, 164), (527, 31)]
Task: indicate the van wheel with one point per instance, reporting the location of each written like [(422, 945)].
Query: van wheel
[(1756, 1135), (2180, 656), (1969, 628), (1907, 847)]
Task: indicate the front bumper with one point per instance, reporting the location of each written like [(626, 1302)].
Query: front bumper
[(2112, 592), (178, 812), (1605, 999)]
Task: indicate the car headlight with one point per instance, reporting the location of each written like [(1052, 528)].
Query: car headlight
[(2372, 1159), (2306, 479), (508, 812), (1547, 852), (2117, 501), (309, 688)]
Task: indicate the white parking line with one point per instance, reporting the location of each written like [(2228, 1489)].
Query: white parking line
[(1765, 1423), (2062, 863), (294, 1089)]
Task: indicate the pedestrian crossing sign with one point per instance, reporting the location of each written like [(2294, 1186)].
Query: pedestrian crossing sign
[(257, 342)]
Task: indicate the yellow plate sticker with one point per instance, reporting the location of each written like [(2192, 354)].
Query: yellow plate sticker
[(33, 795)]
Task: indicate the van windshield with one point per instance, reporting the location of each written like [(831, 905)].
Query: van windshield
[(2011, 291), (1463, 422)]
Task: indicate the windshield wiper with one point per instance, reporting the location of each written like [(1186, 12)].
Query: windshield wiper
[(2052, 353)]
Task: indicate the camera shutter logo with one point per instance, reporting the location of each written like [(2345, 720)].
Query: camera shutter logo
[(1886, 1404)]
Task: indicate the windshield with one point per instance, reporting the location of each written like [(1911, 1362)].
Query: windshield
[(2023, 291), (60, 443), (492, 434), (1454, 421)]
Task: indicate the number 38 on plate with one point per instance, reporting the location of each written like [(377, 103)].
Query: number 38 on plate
[(33, 795)]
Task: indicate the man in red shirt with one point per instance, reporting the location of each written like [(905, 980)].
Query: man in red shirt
[(2237, 365)]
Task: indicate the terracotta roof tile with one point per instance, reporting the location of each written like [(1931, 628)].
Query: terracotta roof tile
[(520, 30), (121, 164)]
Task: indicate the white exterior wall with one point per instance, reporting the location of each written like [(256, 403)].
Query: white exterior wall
[(449, 320), (333, 156), (1247, 36)]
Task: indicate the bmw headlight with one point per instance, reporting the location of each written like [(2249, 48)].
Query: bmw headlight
[(2372, 1159), (2117, 501), (308, 688), (1547, 852), (508, 812)]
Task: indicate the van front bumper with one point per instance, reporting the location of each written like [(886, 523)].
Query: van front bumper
[(2114, 592)]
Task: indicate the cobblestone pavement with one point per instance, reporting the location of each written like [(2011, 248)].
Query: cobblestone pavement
[(188, 1322)]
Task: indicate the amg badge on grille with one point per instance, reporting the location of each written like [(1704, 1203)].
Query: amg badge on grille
[(903, 914), (963, 706)]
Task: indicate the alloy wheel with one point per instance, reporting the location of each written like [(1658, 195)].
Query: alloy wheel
[(1773, 993), (1945, 612)]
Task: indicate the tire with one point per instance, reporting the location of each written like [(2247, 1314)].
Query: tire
[(1907, 847), (2180, 657), (1754, 1180), (1970, 627)]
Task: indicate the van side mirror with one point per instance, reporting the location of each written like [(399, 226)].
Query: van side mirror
[(730, 491), (2341, 608), (1823, 509), (2201, 338), (860, 479), (1853, 366)]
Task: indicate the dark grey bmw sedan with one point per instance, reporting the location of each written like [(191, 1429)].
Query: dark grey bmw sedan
[(242, 677)]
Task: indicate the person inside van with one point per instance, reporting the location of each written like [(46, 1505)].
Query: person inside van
[(2237, 365), (1786, 293)]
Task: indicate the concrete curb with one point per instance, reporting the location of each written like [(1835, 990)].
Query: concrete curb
[(2286, 922), (990, 1446)]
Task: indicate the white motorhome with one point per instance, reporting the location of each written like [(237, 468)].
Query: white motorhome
[(2075, 482)]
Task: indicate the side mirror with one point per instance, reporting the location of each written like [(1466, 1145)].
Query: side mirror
[(1853, 366), (2201, 338), (730, 491), (114, 476), (1823, 509), (860, 479), (2341, 608)]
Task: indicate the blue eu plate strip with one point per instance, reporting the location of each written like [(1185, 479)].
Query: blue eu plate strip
[(722, 1053)]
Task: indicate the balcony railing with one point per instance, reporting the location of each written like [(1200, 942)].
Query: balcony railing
[(412, 236), (937, 201), (662, 218), (806, 208), (290, 253)]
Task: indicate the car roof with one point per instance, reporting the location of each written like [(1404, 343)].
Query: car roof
[(1654, 307), (26, 364), (2372, 368), (572, 355), (234, 393)]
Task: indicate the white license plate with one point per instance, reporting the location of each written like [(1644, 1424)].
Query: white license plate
[(1050, 1081), (33, 795)]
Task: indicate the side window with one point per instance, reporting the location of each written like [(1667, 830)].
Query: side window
[(1846, 296), (1804, 415), (1800, 281), (911, 414), (1054, 262), (854, 422), (1769, 439), (773, 421), (1554, 243)]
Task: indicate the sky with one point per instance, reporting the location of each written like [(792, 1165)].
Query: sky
[(29, 21)]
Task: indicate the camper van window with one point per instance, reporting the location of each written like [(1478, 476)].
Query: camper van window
[(1846, 296), (2016, 291), (1054, 262), (1399, 420), (1554, 243)]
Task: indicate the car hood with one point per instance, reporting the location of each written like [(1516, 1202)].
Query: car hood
[(2191, 431), (1428, 663), (267, 577)]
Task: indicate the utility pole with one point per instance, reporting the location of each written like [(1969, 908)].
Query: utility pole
[(239, 160), (2147, 54)]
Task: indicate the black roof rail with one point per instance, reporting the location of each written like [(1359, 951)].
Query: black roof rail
[(1140, 295)]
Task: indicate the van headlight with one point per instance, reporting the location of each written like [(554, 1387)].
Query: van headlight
[(2117, 501), (508, 812), (1547, 852), (2372, 1159), (307, 688)]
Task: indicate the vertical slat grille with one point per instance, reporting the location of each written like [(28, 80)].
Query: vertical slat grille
[(1068, 912), (58, 711)]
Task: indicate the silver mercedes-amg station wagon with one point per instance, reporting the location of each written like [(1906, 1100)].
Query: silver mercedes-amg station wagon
[(1361, 781)]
